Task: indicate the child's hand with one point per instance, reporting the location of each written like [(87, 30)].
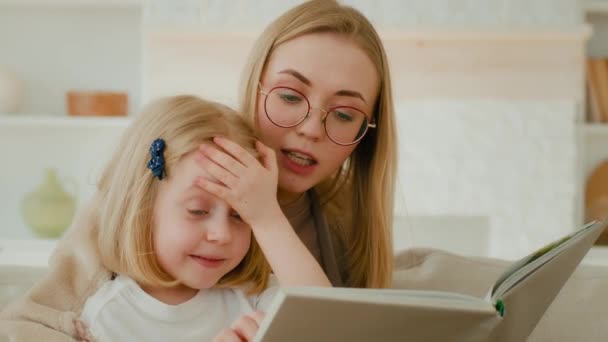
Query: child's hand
[(82, 332), (242, 330), (246, 184)]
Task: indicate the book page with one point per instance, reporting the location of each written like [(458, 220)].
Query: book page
[(527, 265), (524, 295), (362, 315)]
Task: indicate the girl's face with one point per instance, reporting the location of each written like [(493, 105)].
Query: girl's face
[(329, 70), (197, 237)]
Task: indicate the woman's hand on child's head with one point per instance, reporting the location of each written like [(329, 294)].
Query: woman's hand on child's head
[(247, 184), (242, 330)]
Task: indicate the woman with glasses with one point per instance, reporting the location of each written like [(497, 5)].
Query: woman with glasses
[(317, 88)]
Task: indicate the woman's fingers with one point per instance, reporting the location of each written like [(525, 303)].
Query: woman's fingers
[(218, 172), (269, 159), (236, 151), (213, 188), (248, 189), (222, 159)]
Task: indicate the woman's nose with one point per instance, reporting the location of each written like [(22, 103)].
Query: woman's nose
[(313, 126)]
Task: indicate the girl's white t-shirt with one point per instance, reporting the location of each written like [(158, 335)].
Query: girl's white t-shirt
[(121, 311)]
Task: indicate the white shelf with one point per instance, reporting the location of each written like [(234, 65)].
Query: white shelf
[(22, 120), (74, 3), (594, 148), (26, 252), (595, 130), (596, 6), (597, 256)]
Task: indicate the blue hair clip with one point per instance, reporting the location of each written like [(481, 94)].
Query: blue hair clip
[(157, 160)]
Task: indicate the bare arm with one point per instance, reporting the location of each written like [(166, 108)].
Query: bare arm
[(291, 261), (250, 187)]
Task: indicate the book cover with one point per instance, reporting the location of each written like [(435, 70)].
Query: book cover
[(510, 311)]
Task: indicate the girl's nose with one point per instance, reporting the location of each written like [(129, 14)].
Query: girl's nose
[(219, 231)]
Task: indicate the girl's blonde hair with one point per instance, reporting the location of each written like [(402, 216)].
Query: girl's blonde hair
[(127, 189), (365, 184)]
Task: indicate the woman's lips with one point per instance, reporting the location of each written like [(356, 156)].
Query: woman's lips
[(298, 162)]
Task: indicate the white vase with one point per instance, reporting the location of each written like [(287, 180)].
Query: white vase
[(11, 92)]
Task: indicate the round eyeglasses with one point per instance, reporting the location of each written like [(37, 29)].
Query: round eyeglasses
[(287, 107)]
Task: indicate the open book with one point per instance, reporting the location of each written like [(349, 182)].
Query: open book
[(511, 310)]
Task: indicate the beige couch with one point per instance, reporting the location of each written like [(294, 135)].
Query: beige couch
[(15, 280), (579, 313)]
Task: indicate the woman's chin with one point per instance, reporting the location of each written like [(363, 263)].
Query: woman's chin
[(292, 188)]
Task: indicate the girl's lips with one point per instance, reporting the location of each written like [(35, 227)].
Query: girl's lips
[(208, 261), (295, 167)]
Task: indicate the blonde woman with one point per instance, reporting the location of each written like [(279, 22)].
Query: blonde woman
[(318, 90)]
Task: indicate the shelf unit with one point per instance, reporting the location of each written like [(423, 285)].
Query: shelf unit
[(594, 146), (595, 6), (77, 148), (89, 58), (595, 130), (596, 15), (74, 3), (594, 136), (22, 121)]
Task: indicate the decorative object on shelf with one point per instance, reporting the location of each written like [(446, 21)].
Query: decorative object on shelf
[(97, 103), (49, 209), (597, 90), (596, 197), (11, 92)]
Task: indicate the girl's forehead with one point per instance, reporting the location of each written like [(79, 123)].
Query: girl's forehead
[(184, 175)]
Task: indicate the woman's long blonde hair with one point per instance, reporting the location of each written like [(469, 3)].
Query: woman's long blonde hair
[(127, 189), (365, 184)]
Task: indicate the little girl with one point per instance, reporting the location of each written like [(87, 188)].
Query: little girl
[(184, 264)]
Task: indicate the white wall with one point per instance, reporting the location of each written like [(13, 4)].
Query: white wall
[(55, 49), (487, 96), (213, 15), (512, 161)]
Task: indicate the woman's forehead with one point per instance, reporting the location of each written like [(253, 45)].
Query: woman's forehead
[(327, 61)]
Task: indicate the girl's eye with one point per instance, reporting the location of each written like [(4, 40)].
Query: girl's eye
[(197, 212), (236, 216)]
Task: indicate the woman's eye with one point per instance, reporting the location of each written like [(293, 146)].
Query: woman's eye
[(342, 116), (290, 98)]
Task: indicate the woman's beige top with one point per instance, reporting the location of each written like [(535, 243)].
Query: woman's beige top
[(299, 214)]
